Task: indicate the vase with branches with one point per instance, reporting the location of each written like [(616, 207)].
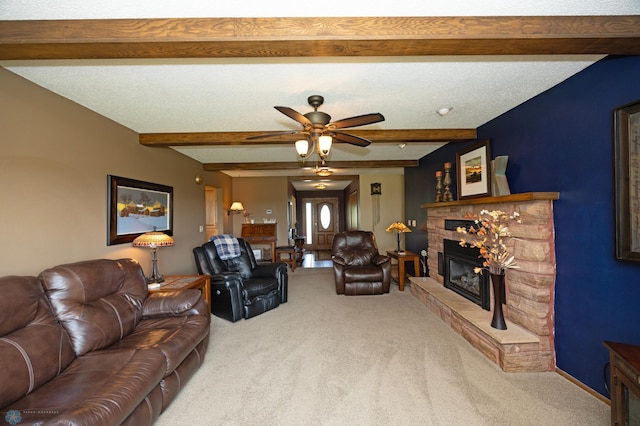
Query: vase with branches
[(490, 233)]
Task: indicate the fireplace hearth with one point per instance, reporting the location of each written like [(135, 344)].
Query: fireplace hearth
[(459, 275)]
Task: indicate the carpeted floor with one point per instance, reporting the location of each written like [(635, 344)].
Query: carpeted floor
[(324, 359)]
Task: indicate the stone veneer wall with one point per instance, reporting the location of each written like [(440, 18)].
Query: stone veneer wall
[(530, 288)]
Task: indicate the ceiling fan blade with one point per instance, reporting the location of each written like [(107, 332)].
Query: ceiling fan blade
[(350, 139), (271, 135), (356, 121), (295, 115)]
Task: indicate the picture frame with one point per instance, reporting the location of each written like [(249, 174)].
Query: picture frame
[(474, 171), (626, 139), (136, 207)]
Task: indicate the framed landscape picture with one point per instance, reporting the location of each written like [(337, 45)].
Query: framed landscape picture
[(626, 140), (473, 171), (136, 207)]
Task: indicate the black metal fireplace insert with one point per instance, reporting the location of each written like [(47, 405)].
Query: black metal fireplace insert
[(459, 275)]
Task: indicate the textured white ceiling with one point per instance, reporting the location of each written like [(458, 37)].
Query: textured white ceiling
[(114, 9), (171, 95)]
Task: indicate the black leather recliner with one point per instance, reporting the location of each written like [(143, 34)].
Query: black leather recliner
[(241, 287), (358, 268)]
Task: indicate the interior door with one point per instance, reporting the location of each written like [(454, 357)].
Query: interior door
[(321, 220), (211, 211)]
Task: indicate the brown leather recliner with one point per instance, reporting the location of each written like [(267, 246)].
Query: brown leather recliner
[(357, 266)]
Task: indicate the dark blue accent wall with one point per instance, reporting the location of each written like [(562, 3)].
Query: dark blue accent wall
[(561, 140)]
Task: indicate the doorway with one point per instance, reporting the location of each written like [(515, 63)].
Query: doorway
[(321, 223), (212, 211)]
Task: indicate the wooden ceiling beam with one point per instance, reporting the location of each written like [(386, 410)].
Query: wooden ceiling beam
[(377, 164), (318, 37), (240, 138)]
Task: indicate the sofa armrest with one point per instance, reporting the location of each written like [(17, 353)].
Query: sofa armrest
[(268, 270), (171, 303), (225, 276), (380, 259), (338, 260), (226, 296)]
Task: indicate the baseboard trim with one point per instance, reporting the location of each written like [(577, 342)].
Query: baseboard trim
[(583, 386)]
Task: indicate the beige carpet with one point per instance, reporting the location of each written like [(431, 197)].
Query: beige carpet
[(324, 359)]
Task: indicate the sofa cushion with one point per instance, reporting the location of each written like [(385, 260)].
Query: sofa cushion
[(101, 387), (356, 248), (98, 301), (33, 346), (363, 274), (174, 337)]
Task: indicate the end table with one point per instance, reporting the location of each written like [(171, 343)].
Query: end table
[(402, 257)]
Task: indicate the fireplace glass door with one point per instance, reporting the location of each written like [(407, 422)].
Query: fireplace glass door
[(459, 274)]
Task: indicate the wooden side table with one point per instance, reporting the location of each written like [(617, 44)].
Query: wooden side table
[(290, 252), (183, 282), (299, 245), (402, 257)]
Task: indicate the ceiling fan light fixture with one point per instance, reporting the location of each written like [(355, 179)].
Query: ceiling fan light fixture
[(324, 145), (302, 147), (324, 172), (315, 123)]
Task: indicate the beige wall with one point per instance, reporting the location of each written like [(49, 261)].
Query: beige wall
[(391, 207), (258, 195), (54, 160)]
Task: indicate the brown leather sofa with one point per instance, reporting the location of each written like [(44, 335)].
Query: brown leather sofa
[(85, 344), (358, 268)]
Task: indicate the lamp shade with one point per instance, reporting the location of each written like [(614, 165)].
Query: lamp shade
[(324, 144), (153, 239), (236, 206), (302, 147), (398, 227)]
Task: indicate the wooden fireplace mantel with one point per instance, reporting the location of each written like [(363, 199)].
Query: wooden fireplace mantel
[(513, 198)]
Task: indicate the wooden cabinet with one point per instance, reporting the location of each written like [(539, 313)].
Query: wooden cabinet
[(625, 383), (261, 233)]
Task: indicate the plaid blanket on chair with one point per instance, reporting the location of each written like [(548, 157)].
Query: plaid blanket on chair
[(226, 245)]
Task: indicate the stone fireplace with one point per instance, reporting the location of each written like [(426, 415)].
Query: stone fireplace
[(528, 343)]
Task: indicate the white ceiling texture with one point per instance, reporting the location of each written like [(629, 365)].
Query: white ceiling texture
[(184, 95)]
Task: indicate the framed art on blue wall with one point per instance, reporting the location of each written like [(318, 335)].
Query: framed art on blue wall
[(136, 207), (626, 140), (474, 176)]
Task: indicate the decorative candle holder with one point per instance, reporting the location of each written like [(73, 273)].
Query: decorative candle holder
[(438, 186), (447, 183)]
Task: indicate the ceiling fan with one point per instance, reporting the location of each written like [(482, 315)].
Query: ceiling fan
[(320, 130)]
